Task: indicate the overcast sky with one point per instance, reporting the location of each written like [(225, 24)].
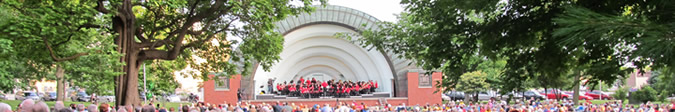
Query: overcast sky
[(381, 9)]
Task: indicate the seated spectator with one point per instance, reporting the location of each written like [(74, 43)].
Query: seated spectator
[(40, 107), (5, 107), (26, 105)]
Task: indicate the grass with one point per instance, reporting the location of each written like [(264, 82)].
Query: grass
[(15, 103)]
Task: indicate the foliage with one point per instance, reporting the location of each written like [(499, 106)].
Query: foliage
[(446, 34), (645, 94), (227, 34), (473, 82), (42, 38), (662, 80), (160, 76), (635, 31), (621, 94), (663, 95)]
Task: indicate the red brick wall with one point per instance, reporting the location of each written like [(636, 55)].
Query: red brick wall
[(221, 96), (333, 101), (424, 95)]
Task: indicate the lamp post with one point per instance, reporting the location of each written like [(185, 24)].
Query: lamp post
[(145, 87)]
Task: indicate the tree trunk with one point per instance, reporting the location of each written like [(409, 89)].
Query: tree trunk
[(545, 92), (126, 90), (575, 99), (60, 85)]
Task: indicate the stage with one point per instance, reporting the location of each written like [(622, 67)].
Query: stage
[(333, 101), (373, 95)]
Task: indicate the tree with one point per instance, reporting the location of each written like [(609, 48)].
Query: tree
[(637, 31), (446, 33), (621, 94), (473, 83), (645, 94), (170, 30), (49, 41), (154, 30)]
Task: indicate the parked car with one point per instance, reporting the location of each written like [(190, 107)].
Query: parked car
[(597, 94), (50, 96), (455, 95), (3, 97), (106, 99), (553, 94), (581, 96), (516, 95), (29, 95), (172, 98), (81, 97), (533, 94), (485, 95), (445, 97)]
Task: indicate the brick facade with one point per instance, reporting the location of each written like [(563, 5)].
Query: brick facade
[(213, 96), (425, 94)]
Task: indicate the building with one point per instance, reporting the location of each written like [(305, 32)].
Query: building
[(638, 79), (311, 50)]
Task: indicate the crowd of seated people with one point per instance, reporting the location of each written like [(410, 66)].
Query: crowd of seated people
[(312, 88)]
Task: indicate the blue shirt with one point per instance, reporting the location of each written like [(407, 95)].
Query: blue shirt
[(326, 109)]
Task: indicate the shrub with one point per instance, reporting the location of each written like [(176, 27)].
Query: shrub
[(645, 94), (663, 95), (621, 94)]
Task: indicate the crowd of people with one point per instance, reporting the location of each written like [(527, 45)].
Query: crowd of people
[(451, 106), (312, 88)]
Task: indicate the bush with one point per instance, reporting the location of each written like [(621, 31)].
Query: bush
[(662, 97), (621, 94), (645, 94)]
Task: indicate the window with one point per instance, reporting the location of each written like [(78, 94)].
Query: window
[(222, 83), (425, 80)]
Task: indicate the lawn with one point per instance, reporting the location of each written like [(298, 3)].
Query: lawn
[(15, 103)]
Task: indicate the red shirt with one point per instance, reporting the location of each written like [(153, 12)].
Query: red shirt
[(324, 84), (304, 90), (376, 85), (292, 88), (301, 80)]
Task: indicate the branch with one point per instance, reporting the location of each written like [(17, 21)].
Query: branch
[(86, 25), (51, 53), (209, 37), (155, 54), (178, 42), (139, 34), (151, 45), (100, 8)]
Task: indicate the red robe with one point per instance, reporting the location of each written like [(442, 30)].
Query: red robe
[(376, 85)]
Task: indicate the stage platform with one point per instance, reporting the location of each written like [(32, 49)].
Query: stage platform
[(273, 96), (334, 101)]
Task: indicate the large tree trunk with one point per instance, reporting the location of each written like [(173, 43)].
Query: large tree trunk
[(126, 91), (60, 85), (577, 75)]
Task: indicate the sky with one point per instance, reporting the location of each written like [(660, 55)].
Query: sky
[(384, 10)]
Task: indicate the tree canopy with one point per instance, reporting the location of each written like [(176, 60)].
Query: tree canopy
[(546, 39), (226, 34)]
